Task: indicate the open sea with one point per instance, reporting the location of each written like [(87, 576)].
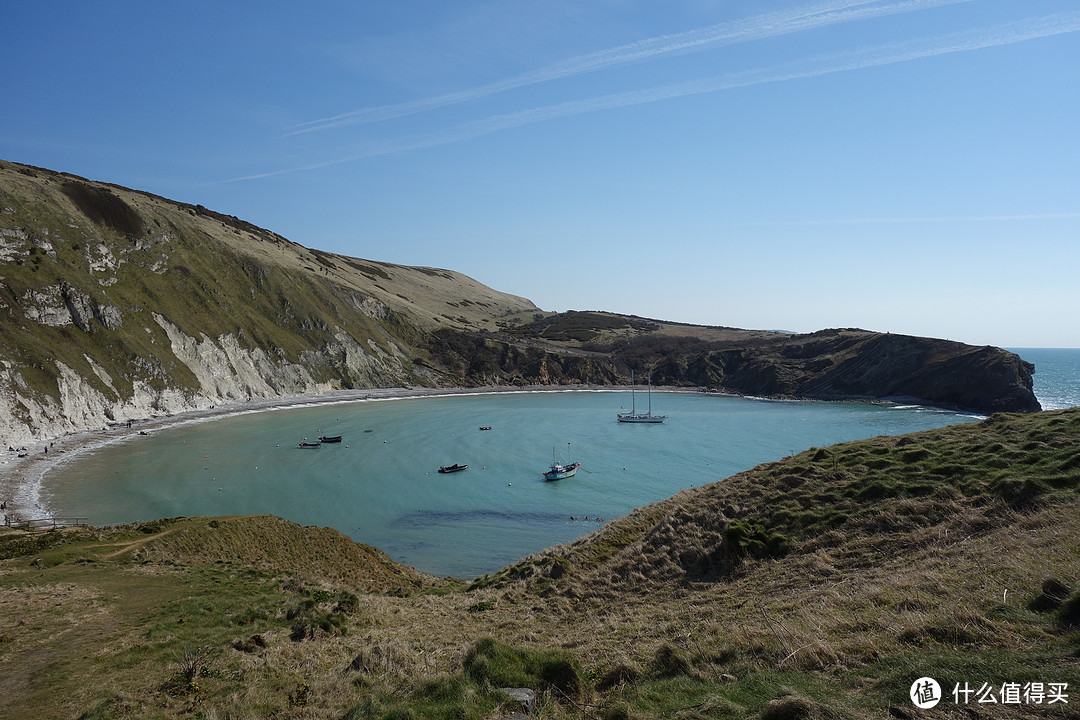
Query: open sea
[(380, 485)]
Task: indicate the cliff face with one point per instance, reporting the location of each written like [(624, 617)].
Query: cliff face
[(117, 305), (854, 364), (845, 364)]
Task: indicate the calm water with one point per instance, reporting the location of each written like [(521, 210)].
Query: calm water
[(380, 486)]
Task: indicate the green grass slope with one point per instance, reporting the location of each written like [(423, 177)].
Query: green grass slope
[(819, 586), (90, 272)]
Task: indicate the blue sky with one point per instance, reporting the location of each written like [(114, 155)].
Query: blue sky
[(899, 165)]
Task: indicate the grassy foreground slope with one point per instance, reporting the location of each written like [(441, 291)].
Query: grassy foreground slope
[(821, 585)]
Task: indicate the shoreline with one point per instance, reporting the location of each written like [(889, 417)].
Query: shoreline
[(22, 472)]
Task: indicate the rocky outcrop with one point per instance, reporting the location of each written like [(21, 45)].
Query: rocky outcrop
[(62, 304), (856, 364), (845, 364)]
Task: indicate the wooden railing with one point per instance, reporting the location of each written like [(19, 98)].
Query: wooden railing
[(43, 524)]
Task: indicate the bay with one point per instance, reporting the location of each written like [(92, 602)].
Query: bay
[(380, 485)]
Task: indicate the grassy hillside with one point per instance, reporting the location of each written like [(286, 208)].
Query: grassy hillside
[(92, 274), (116, 304), (818, 586)]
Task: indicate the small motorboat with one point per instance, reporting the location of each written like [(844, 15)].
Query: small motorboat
[(444, 469), (309, 445), (330, 438), (486, 427)]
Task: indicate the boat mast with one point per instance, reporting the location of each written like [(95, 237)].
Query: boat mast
[(650, 393), (633, 405)]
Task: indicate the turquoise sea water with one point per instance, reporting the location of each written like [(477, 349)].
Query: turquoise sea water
[(381, 486), (1057, 375)]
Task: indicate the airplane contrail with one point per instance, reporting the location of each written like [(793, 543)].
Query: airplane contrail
[(1017, 217), (1007, 34), (874, 57), (730, 33)]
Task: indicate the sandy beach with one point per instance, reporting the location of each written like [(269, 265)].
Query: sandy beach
[(22, 470)]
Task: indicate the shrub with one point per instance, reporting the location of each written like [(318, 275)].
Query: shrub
[(616, 676), (192, 661), (1019, 492), (499, 665), (790, 707), (1054, 594), (742, 538), (669, 662), (1069, 615), (103, 207), (616, 712)]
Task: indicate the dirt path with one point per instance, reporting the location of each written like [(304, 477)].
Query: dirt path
[(130, 544)]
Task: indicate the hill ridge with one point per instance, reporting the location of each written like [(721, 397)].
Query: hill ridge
[(120, 305)]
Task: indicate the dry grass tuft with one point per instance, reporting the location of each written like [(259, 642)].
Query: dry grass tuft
[(794, 707)]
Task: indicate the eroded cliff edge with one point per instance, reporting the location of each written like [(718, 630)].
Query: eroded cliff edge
[(835, 364), (119, 305)]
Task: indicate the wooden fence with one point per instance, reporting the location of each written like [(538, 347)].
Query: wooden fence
[(43, 524)]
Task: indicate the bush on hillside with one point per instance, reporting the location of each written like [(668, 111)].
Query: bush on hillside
[(497, 664)]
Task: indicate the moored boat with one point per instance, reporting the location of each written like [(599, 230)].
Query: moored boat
[(559, 470), (634, 416), (309, 445), (444, 469), (330, 438)]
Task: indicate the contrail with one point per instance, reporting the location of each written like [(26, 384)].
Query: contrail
[(715, 36), (1020, 217), (981, 38), (874, 57)]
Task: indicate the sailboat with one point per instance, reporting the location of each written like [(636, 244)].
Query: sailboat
[(558, 470), (634, 416)]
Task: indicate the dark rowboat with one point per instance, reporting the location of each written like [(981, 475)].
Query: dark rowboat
[(330, 438), (310, 445), (444, 469)]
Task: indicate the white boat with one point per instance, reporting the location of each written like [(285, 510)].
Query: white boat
[(634, 416), (558, 470)]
